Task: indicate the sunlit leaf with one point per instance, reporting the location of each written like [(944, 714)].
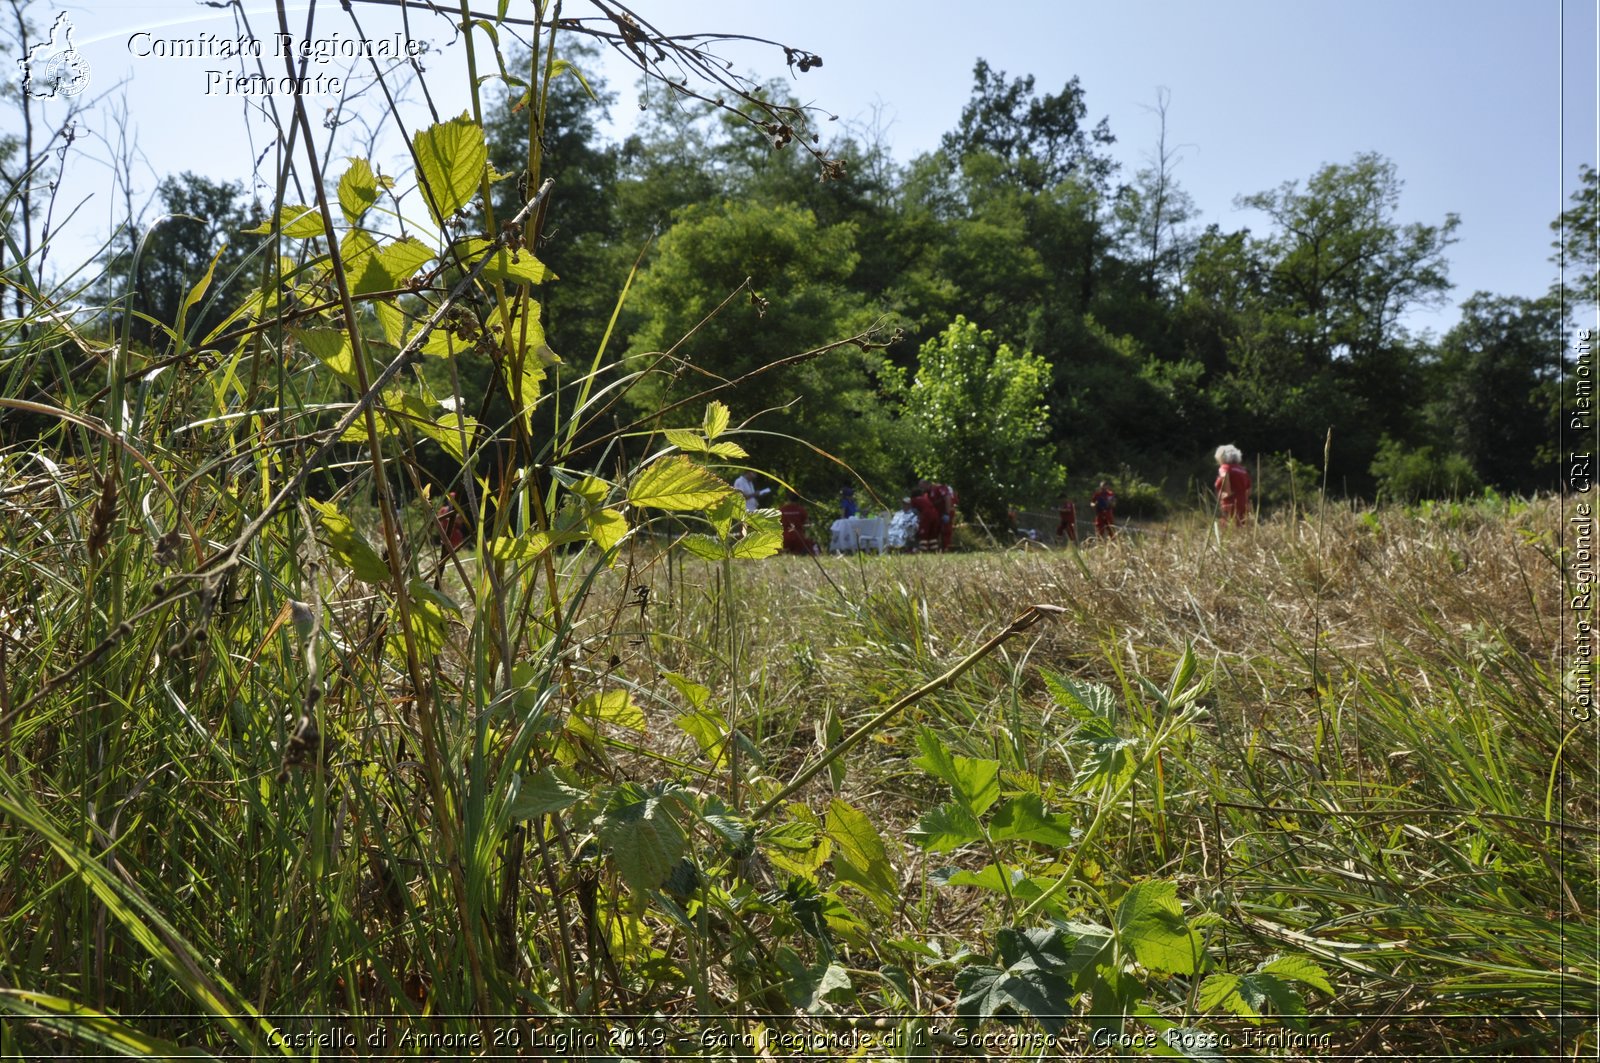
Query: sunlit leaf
[(358, 190), (1151, 925), (676, 483), (860, 858), (452, 159), (541, 794), (294, 220), (615, 707), (348, 545)]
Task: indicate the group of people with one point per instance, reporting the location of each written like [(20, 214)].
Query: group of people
[(926, 520), (1104, 506)]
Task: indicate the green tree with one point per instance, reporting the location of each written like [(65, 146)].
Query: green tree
[(201, 219), (1500, 369), (798, 300), (1041, 140), (1343, 265), (1577, 240), (980, 419)]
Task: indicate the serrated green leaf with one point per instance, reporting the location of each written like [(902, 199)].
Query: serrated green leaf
[(1086, 701), (1297, 968), (704, 546), (798, 845), (358, 190), (758, 543), (540, 795), (295, 220), (1024, 818), (726, 450), (684, 439), (387, 267), (392, 321), (643, 836), (859, 855), (348, 545), (976, 782), (1108, 761), (675, 483), (945, 827), (1218, 989), (454, 433), (1150, 924), (607, 527), (505, 264), (429, 612), (715, 421), (991, 877), (452, 159), (332, 348), (615, 707), (1035, 981)]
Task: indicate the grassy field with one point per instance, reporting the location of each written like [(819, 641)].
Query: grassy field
[(1301, 790)]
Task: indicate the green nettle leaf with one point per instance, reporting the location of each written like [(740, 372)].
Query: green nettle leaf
[(358, 190), (294, 220), (992, 877), (643, 836), (945, 827), (678, 484), (810, 987), (452, 159), (540, 795), (798, 845), (1035, 981), (392, 320), (975, 782), (715, 421), (1093, 705), (1151, 925), (859, 857), (1109, 761), (1245, 995), (1024, 819), (519, 549), (613, 706), (452, 432), (696, 694), (348, 545)]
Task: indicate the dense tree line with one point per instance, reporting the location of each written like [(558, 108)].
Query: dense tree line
[(1018, 246)]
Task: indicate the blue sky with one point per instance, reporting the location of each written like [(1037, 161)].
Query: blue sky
[(1467, 97)]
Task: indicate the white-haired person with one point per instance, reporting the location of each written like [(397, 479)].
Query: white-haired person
[(1233, 485)]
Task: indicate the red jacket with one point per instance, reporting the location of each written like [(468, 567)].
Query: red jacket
[(1233, 491)]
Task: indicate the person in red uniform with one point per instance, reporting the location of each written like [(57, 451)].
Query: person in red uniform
[(928, 523), (794, 517), (1233, 485), (452, 527), (1068, 524), (944, 500), (1104, 504)]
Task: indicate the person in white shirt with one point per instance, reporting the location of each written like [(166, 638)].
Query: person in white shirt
[(746, 485)]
